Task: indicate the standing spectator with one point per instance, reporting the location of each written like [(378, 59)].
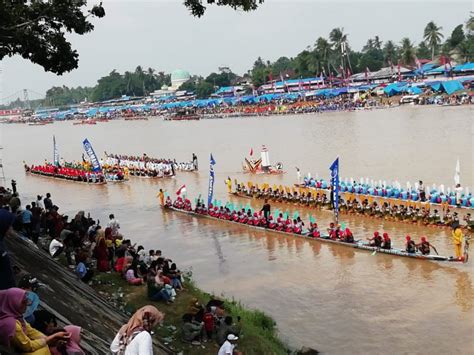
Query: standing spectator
[(35, 221), (39, 202), (14, 203), (114, 225), (48, 203), (14, 186), (7, 278), (26, 219)]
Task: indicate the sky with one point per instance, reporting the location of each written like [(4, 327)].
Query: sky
[(163, 35)]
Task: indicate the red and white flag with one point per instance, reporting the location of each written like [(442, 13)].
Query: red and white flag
[(181, 190)]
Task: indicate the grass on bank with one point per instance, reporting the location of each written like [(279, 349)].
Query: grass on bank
[(258, 335)]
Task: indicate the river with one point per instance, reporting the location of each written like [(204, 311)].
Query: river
[(332, 298)]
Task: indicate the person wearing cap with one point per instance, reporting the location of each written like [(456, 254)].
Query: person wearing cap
[(424, 246), (228, 347), (376, 240), (387, 242), (458, 238), (410, 245)]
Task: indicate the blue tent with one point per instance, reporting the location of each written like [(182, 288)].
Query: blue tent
[(464, 67), (451, 86)]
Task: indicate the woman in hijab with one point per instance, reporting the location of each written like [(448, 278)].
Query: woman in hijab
[(73, 344), (7, 278), (18, 334), (102, 253), (134, 337)]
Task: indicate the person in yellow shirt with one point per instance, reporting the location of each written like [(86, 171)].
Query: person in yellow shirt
[(228, 182), (16, 333), (161, 196), (458, 238)]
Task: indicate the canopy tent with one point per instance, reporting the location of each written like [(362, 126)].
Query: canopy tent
[(464, 67), (449, 86)]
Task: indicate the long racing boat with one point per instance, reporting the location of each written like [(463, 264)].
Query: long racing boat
[(325, 239)]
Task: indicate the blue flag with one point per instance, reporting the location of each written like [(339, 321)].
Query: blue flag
[(335, 187), (55, 152), (210, 191), (93, 158)]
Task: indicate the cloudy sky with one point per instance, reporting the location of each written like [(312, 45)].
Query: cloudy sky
[(163, 35)]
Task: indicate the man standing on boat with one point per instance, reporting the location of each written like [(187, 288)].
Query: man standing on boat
[(458, 238), (195, 161), (266, 209)]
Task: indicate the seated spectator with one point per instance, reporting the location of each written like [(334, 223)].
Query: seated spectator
[(157, 292), (15, 332), (196, 309), (84, 273), (56, 247), (72, 346), (30, 284), (131, 275), (45, 322), (192, 330), (134, 337), (225, 329)]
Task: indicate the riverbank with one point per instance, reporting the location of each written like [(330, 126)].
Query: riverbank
[(258, 331)]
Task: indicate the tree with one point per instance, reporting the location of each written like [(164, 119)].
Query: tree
[(337, 37), (323, 48), (465, 51), (432, 36), (457, 36), (37, 30), (407, 52), (422, 51), (204, 89), (389, 53), (221, 79)]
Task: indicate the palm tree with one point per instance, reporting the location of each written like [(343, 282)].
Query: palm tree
[(337, 36), (432, 36), (324, 49), (463, 52), (407, 51), (389, 52)]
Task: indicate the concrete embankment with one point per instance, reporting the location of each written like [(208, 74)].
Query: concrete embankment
[(71, 300)]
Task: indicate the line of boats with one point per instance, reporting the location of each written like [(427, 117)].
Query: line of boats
[(325, 239)]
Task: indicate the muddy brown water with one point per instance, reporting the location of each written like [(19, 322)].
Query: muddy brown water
[(332, 298)]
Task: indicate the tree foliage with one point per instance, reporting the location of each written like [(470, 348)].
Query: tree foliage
[(37, 30)]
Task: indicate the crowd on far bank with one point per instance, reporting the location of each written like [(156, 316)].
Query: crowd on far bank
[(88, 248)]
